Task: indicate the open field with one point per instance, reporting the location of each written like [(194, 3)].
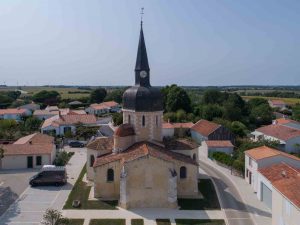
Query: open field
[(289, 101), (65, 92)]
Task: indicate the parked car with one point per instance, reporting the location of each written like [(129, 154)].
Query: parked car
[(50, 175), (76, 144)]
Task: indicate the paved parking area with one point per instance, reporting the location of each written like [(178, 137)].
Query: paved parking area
[(31, 205), (12, 185)]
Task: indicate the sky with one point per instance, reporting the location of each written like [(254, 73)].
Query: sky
[(189, 42)]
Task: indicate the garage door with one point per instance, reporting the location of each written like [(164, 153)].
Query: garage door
[(266, 195)]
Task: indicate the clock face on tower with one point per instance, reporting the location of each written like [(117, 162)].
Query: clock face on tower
[(143, 74)]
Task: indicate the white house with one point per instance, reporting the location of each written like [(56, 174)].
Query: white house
[(32, 151), (97, 147), (208, 147), (32, 107), (275, 103), (15, 114), (264, 156), (207, 130), (288, 137), (60, 124), (103, 108), (287, 122), (175, 129), (280, 191)]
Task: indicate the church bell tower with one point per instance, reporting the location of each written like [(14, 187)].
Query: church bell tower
[(142, 103)]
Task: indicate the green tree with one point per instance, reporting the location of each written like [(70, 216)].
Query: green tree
[(238, 128), (115, 95), (170, 116), (180, 115), (5, 101), (32, 124), (85, 132), (46, 97), (177, 98), (98, 95), (261, 114), (8, 128), (54, 217), (117, 118), (213, 96), (14, 94), (296, 112), (212, 111)]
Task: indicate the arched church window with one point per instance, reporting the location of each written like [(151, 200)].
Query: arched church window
[(194, 156), (156, 120), (182, 172), (129, 119), (143, 121), (92, 160), (110, 175)]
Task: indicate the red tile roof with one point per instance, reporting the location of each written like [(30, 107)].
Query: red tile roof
[(102, 144), (286, 179), (177, 125), (205, 127), (27, 149), (219, 144), (104, 105), (36, 138), (278, 131), (282, 121), (266, 152), (180, 144), (124, 130), (12, 111), (142, 149), (69, 119)]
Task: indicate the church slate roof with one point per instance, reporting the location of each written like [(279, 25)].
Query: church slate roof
[(142, 149)]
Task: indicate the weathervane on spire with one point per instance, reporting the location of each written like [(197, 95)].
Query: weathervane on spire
[(142, 13)]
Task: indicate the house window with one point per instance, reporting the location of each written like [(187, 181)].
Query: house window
[(129, 119), (156, 120), (39, 160), (182, 172), (250, 162), (110, 175), (194, 156), (92, 160), (143, 121)]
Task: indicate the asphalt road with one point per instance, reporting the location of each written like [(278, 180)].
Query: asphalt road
[(230, 198)]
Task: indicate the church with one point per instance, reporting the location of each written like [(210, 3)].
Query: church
[(134, 167)]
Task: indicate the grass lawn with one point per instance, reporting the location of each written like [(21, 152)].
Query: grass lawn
[(209, 202), (163, 222), (76, 221), (198, 222), (107, 222), (137, 222), (81, 192)]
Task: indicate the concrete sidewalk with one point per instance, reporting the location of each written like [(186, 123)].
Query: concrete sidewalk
[(148, 214), (260, 214)]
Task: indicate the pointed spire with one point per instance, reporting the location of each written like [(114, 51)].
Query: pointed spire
[(142, 58)]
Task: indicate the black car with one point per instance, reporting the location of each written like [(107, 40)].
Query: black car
[(49, 176), (76, 144)]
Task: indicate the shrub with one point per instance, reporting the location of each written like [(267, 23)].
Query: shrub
[(222, 158), (62, 158)]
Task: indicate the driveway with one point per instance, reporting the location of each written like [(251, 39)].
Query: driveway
[(31, 205), (230, 199)]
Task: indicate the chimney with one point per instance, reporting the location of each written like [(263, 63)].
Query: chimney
[(283, 173)]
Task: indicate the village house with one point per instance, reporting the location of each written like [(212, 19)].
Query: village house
[(176, 129), (31, 106), (287, 137), (280, 191), (46, 114), (60, 124), (261, 157), (206, 130), (103, 108), (209, 147), (139, 171), (275, 103), (287, 122), (14, 114), (32, 151)]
